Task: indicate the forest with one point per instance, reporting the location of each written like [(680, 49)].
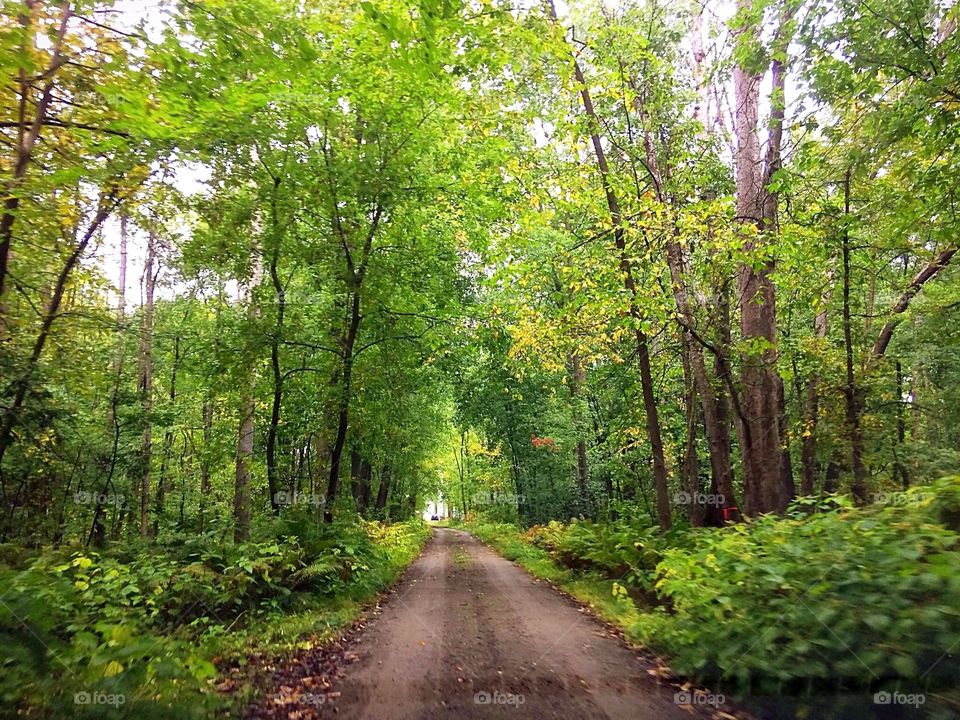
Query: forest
[(657, 299)]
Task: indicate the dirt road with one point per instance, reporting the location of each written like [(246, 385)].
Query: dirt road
[(471, 635)]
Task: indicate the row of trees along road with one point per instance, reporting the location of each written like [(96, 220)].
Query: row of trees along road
[(589, 260)]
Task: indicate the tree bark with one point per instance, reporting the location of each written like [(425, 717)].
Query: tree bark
[(756, 208), (716, 428), (162, 484), (97, 536), (900, 473), (205, 460), (852, 395), (360, 472), (241, 491), (690, 462), (460, 458), (208, 419), (383, 489)]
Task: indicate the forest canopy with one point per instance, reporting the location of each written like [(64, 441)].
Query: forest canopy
[(268, 265)]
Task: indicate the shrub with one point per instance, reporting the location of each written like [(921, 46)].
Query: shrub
[(547, 536), (120, 622), (624, 551), (848, 597)]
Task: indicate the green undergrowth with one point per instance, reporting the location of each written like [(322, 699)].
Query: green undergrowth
[(145, 631), (827, 599)]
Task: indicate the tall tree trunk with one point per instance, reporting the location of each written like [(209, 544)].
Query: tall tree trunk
[(384, 488), (577, 378), (851, 394), (724, 398), (900, 473), (808, 447), (715, 425), (660, 475), (518, 484), (756, 207), (786, 459), (205, 460), (360, 472), (273, 481), (366, 478), (244, 471), (718, 440), (167, 443), (241, 490), (690, 462), (343, 410), (120, 318), (355, 273), (97, 536), (460, 458), (146, 382)]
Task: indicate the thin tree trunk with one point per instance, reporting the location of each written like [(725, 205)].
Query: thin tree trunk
[(343, 411), (660, 477), (97, 536), (724, 396), (273, 482), (355, 276), (577, 378), (244, 471), (384, 488), (366, 478), (460, 458), (808, 446), (205, 460), (717, 429), (900, 473), (146, 383), (690, 462), (850, 391), (357, 468), (241, 491), (167, 442), (715, 423)]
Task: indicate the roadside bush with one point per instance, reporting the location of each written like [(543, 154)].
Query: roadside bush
[(132, 622), (624, 551), (547, 537), (823, 600)]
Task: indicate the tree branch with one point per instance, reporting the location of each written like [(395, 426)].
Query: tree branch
[(929, 272)]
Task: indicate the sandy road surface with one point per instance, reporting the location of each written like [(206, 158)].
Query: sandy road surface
[(469, 634)]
